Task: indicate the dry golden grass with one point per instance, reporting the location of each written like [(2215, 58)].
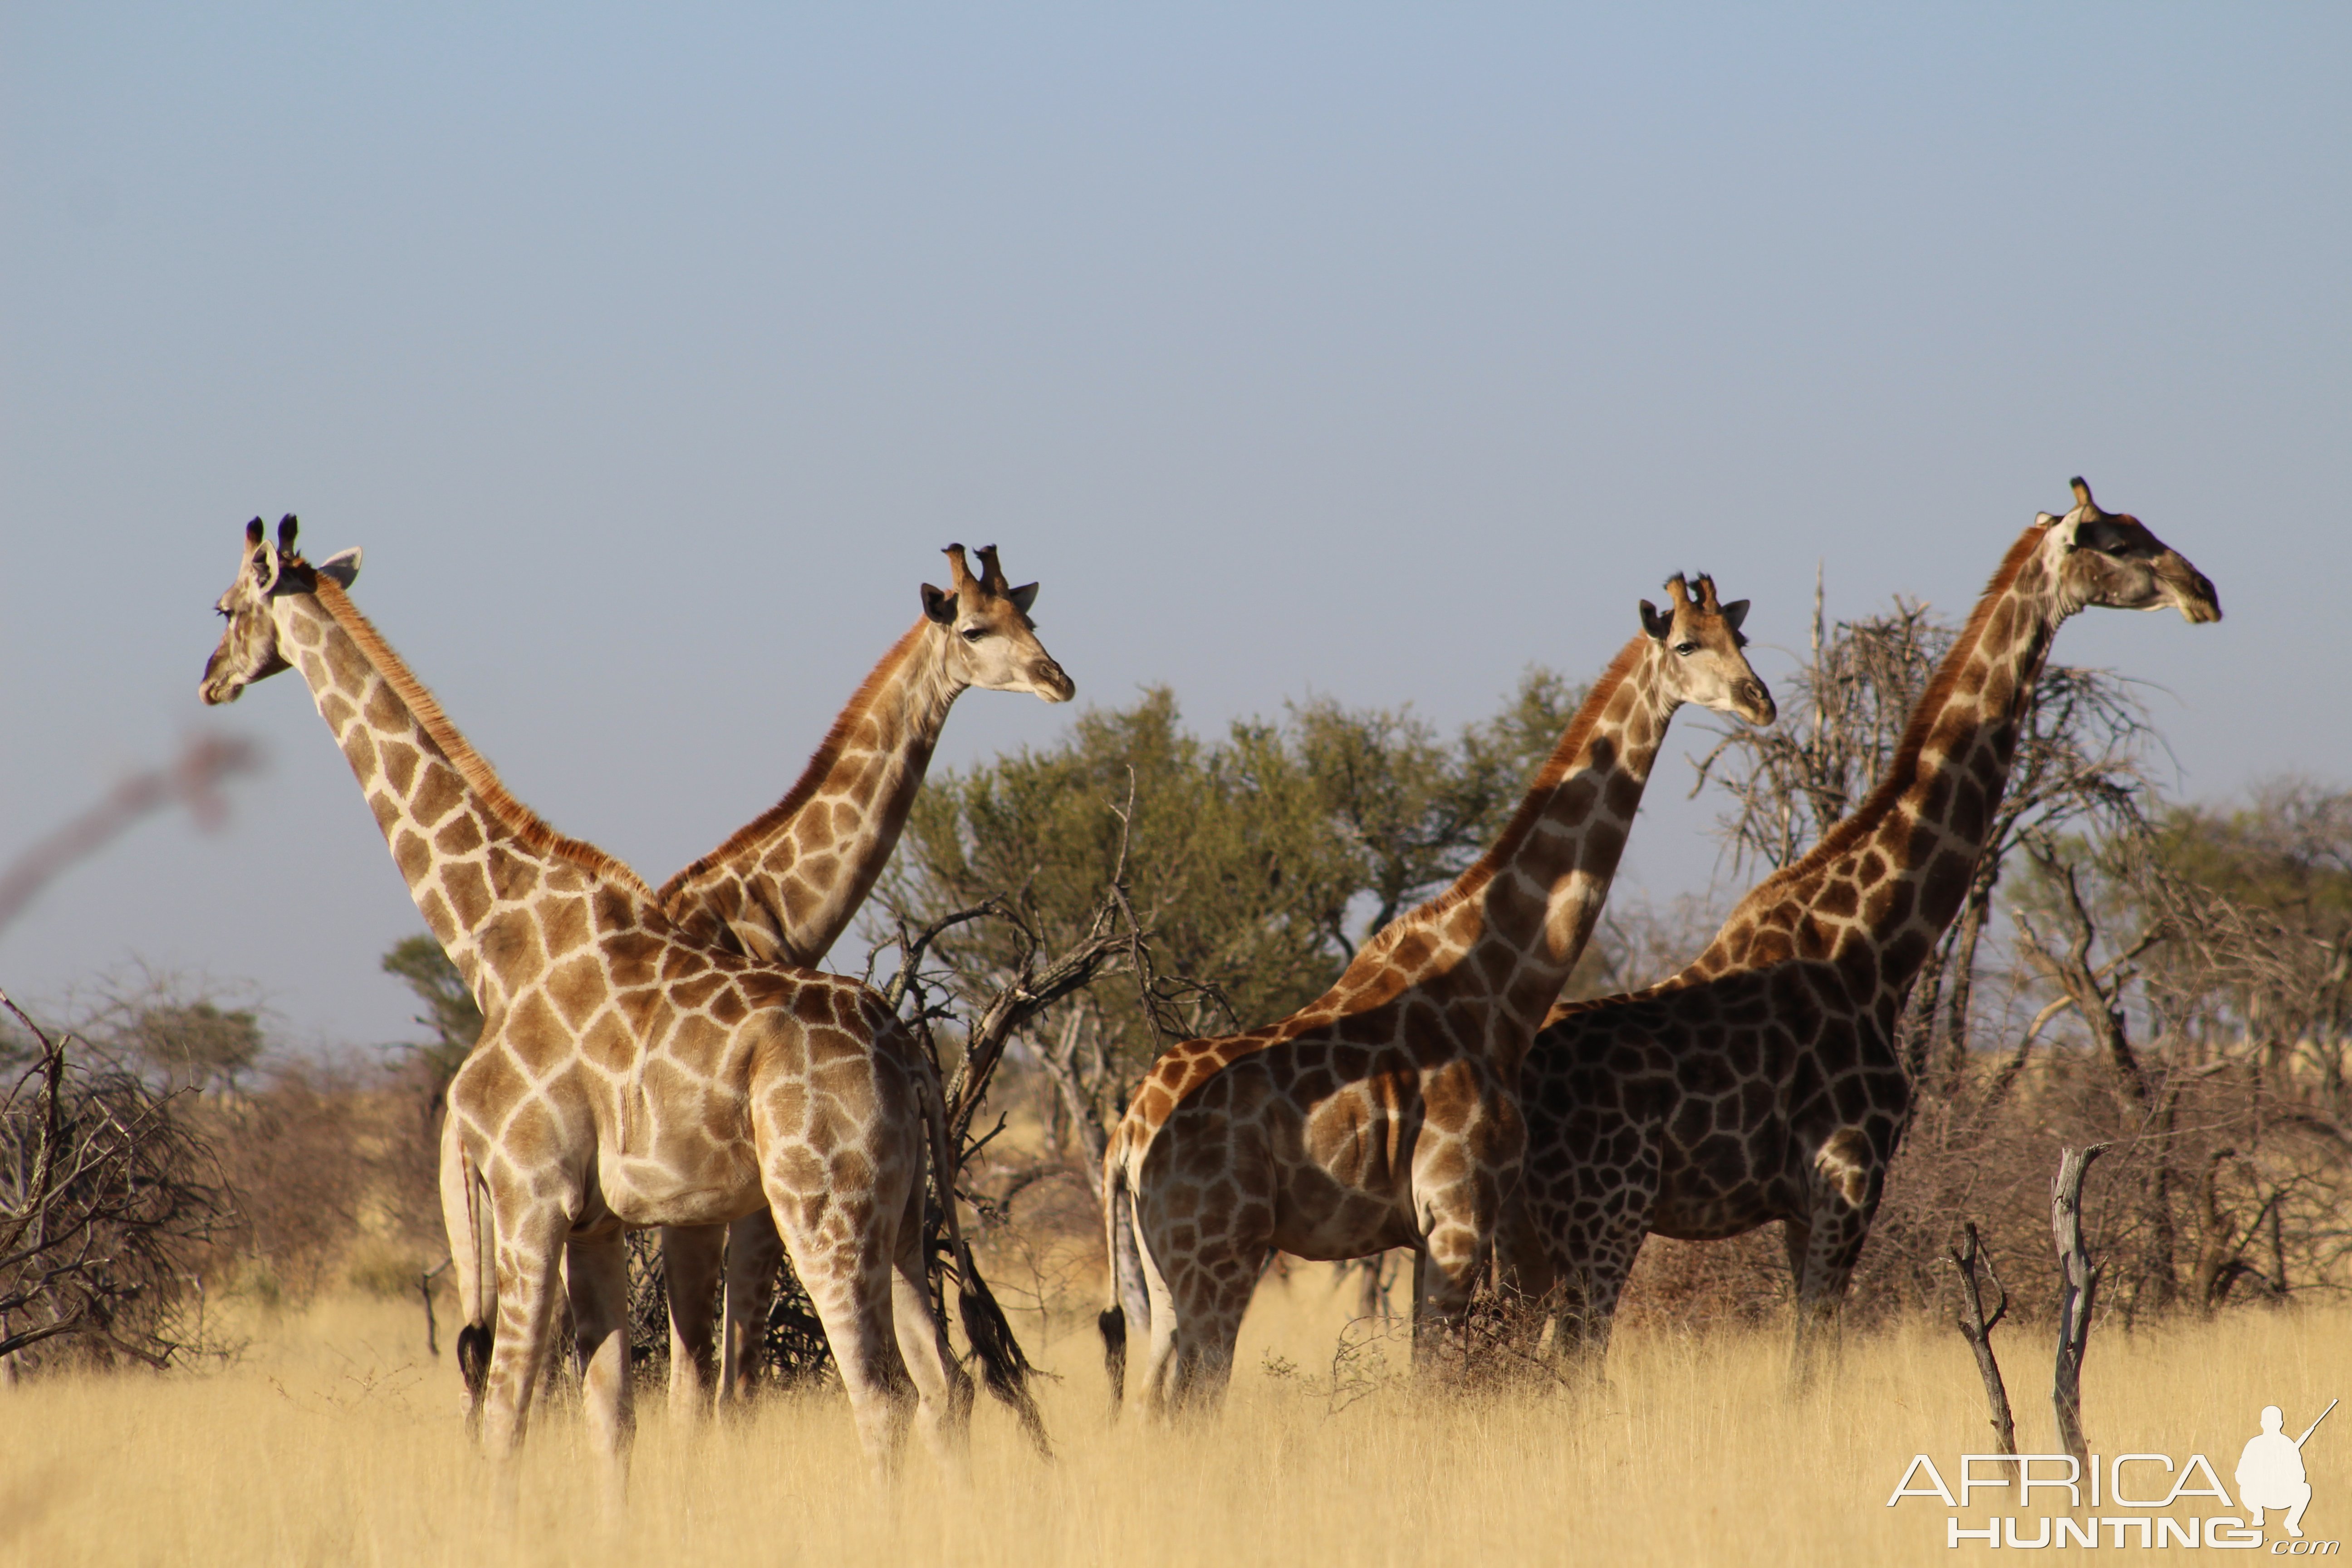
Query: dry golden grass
[(336, 1440)]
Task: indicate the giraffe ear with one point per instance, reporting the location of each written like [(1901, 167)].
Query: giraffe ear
[(343, 566), (1656, 621), (1734, 613), (939, 606), (1024, 596)]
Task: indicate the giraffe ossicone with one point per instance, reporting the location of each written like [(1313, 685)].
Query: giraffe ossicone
[(1383, 1114), (1762, 1081), (627, 1075)]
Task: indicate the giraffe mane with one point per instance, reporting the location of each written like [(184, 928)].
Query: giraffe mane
[(1902, 768), (820, 763), (1532, 805), (525, 824)]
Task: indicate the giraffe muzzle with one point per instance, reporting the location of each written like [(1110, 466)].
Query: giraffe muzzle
[(2190, 591)]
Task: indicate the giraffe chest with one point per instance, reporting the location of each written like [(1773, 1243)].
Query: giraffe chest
[(683, 1154)]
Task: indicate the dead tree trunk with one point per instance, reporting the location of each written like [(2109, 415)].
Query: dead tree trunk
[(2078, 1292), (1060, 1058), (1976, 1328)]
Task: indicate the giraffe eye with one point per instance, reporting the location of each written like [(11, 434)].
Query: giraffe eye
[(973, 634), (1686, 649)]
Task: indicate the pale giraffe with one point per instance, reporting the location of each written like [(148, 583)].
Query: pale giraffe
[(1383, 1114), (787, 884), (1762, 1081), (626, 1075)]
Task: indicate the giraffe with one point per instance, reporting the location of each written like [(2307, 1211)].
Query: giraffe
[(627, 1075), (1382, 1114), (1762, 1082), (785, 886)]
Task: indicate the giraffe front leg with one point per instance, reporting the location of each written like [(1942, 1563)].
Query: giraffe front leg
[(754, 1253), (530, 1256), (691, 1260), (599, 1277), (1823, 1251), (1445, 1275), (1598, 1261), (1457, 1213)]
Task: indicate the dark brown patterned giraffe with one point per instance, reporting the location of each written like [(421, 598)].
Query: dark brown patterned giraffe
[(1382, 1114), (1762, 1082), (785, 886), (627, 1075)]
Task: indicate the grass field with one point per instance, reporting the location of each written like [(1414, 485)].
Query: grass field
[(334, 1438)]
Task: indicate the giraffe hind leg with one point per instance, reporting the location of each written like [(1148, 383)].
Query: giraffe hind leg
[(942, 1388), (1157, 1388), (845, 1262), (1209, 1294)]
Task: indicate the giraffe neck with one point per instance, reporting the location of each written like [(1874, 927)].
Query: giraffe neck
[(1892, 876), (785, 887), (1495, 948), (468, 850)]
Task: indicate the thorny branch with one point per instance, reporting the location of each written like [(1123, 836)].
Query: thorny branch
[(102, 1189)]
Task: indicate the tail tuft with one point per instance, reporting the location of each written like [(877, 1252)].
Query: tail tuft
[(475, 1342), (1003, 1366), (1112, 1324)]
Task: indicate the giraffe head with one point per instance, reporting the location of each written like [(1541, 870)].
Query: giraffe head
[(248, 645), (2108, 558), (1701, 641), (989, 638)]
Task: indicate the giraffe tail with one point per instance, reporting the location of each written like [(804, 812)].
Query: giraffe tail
[(465, 1213), (1131, 1304), (1004, 1368)]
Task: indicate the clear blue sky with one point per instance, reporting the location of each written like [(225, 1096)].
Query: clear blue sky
[(1377, 351)]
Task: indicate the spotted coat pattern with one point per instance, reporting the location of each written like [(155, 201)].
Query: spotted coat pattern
[(626, 1075), (1762, 1081), (1383, 1114), (785, 886)]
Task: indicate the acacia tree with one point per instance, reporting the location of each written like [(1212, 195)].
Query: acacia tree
[(2203, 961), (450, 1011), (1251, 865)]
